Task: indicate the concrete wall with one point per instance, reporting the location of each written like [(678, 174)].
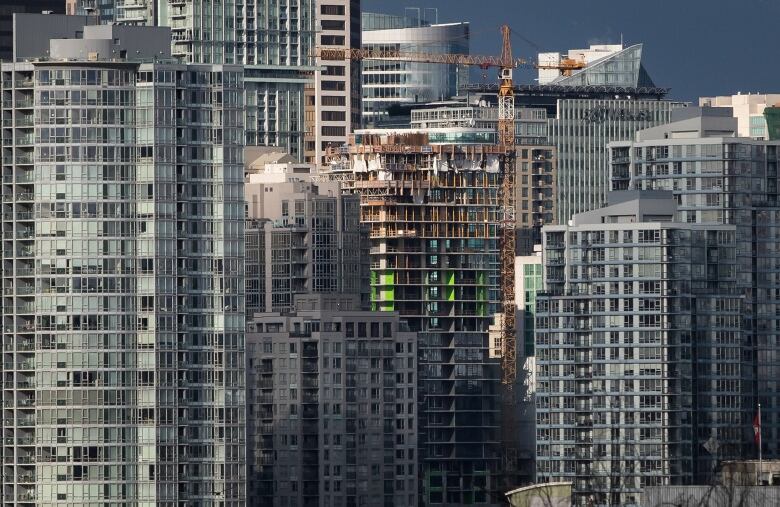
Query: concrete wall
[(114, 42), (33, 31)]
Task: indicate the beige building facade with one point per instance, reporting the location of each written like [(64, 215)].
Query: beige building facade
[(748, 110)]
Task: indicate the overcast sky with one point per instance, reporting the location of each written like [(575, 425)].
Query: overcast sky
[(695, 47)]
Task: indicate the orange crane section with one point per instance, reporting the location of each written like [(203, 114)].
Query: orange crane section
[(328, 53), (566, 66)]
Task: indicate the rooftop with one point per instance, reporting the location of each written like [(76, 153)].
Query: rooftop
[(631, 206), (61, 38)]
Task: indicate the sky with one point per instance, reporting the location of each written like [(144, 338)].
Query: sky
[(695, 47)]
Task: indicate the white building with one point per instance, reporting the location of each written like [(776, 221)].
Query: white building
[(748, 110), (337, 84), (391, 83), (599, 65), (587, 56)]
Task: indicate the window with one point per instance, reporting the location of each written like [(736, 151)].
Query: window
[(332, 24), (333, 116), (334, 70), (334, 131), (338, 86), (332, 40), (332, 10), (330, 100)]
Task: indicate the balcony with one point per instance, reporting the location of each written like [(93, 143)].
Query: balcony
[(24, 121)]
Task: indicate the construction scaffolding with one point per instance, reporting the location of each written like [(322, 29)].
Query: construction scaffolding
[(434, 214)]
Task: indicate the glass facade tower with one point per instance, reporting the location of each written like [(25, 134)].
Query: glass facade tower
[(123, 318), (580, 134), (387, 83), (271, 38)]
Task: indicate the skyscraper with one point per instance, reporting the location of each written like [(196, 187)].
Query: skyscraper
[(431, 202), (122, 225), (580, 133), (273, 40), (642, 379)]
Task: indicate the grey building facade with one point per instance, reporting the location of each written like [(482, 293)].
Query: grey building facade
[(642, 379), (331, 406), (123, 318), (11, 7), (717, 177)]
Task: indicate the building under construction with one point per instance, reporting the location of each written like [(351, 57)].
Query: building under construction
[(432, 202)]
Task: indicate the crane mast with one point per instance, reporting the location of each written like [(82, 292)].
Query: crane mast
[(506, 138)]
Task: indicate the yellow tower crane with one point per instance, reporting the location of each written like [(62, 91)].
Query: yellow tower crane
[(506, 138)]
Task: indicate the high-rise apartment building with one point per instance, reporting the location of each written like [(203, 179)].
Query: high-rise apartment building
[(273, 39), (431, 202), (528, 282), (104, 12), (303, 236), (521, 434), (122, 272), (642, 371), (535, 195), (717, 177), (338, 82), (388, 84), (332, 406), (748, 109)]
